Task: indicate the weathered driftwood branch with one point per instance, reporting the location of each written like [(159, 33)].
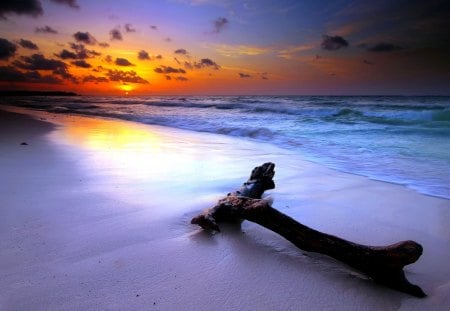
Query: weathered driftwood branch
[(383, 264)]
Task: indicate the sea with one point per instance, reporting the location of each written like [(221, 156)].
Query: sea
[(397, 139)]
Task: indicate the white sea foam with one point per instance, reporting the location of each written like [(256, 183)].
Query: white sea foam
[(396, 139)]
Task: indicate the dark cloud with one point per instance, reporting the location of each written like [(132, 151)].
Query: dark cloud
[(264, 76), (333, 43), (7, 49), (367, 62), (182, 79), (169, 70), (206, 62), (80, 52), (27, 44), (168, 39), (115, 34), (154, 27), (45, 29), (11, 74), (244, 75), (94, 79), (65, 54), (21, 7), (123, 62), (39, 62), (125, 76), (71, 3), (203, 63), (104, 44), (143, 55), (181, 52), (108, 59), (64, 73), (220, 24), (168, 78), (98, 69), (81, 63), (129, 28), (159, 56), (383, 47), (84, 37)]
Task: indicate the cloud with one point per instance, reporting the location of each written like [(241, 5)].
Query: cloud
[(168, 39), (27, 44), (204, 63), (129, 28), (244, 75), (264, 75), (94, 79), (333, 43), (65, 54), (143, 55), (104, 44), (123, 62), (220, 24), (62, 71), (80, 52), (115, 34), (23, 7), (7, 49), (11, 74), (239, 50), (182, 79), (81, 63), (181, 52), (159, 56), (293, 51), (154, 27), (169, 70), (367, 62), (39, 62), (382, 47), (71, 3), (45, 29), (108, 59), (125, 76), (84, 37)]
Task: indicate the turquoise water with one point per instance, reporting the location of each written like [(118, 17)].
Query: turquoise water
[(405, 140)]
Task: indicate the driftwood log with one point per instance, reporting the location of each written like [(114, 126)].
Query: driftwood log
[(384, 264)]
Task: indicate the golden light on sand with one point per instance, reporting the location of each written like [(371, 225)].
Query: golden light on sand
[(131, 150)]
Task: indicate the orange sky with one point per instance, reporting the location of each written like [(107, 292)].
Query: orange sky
[(225, 47)]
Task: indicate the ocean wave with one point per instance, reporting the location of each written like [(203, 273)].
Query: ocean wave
[(258, 133)]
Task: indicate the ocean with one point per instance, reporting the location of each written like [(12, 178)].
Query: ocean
[(398, 139)]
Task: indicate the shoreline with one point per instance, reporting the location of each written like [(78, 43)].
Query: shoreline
[(95, 237)]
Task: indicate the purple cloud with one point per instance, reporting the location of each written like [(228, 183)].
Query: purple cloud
[(333, 43)]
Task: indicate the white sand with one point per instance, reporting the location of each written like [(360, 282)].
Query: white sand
[(94, 215)]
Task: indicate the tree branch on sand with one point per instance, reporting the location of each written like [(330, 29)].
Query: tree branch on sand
[(384, 264)]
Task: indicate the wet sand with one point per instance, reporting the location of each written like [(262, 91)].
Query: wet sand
[(94, 215)]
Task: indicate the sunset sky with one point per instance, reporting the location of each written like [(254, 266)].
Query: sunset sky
[(145, 47)]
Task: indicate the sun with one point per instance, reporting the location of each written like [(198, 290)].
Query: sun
[(127, 88)]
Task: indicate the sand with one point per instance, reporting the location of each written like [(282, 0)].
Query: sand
[(94, 215)]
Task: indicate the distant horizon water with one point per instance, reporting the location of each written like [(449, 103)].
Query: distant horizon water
[(398, 139)]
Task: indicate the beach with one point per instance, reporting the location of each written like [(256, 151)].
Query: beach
[(95, 215)]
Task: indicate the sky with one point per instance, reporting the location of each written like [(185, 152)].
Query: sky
[(221, 47)]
